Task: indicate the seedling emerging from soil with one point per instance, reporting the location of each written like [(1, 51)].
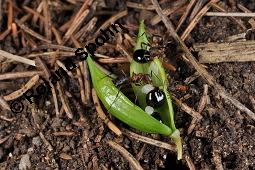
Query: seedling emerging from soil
[(154, 97)]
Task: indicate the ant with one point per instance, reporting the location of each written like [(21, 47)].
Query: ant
[(144, 55), (155, 97)]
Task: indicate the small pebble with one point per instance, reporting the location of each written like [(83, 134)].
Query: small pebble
[(25, 163), (36, 141)]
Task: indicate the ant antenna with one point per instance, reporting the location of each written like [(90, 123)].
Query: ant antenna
[(141, 34), (145, 44)]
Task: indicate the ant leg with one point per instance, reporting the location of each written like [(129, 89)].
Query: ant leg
[(136, 98), (121, 81), (141, 35), (155, 75), (114, 99), (157, 38), (145, 45), (155, 35), (108, 75)]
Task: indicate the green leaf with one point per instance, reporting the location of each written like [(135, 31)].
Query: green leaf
[(120, 106)]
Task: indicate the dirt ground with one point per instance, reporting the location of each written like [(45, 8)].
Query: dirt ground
[(222, 139)]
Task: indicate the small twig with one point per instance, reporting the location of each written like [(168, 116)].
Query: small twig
[(203, 101), (54, 30), (221, 8), (4, 139), (65, 133), (196, 19), (130, 158), (83, 79), (114, 60), (186, 13), (47, 22), (17, 58), (252, 102), (57, 35), (186, 108), (86, 80), (10, 14), (230, 14), (75, 24), (111, 20), (64, 101), (31, 32), (38, 10), (150, 141), (4, 34), (54, 46), (15, 35), (198, 6), (139, 6), (246, 10), (80, 109), (124, 50), (35, 114), (16, 75), (140, 153), (102, 115), (156, 19), (60, 64), (4, 104), (53, 90), (47, 143), (7, 119), (217, 159), (190, 163), (52, 53), (86, 29), (20, 92), (76, 20), (191, 78), (80, 80)]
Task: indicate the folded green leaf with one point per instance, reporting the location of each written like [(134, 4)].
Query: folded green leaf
[(159, 79), (120, 106)]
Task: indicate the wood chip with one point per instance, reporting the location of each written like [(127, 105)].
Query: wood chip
[(65, 156), (243, 51)]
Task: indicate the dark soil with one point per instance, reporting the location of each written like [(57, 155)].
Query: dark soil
[(223, 130)]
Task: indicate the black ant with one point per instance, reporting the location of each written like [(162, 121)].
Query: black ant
[(155, 97), (144, 55)]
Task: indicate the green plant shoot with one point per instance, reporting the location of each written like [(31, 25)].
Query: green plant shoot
[(159, 79)]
